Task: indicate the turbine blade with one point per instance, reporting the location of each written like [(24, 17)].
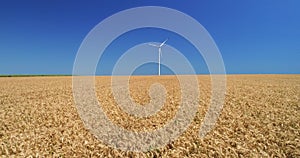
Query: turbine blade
[(153, 45), (163, 42)]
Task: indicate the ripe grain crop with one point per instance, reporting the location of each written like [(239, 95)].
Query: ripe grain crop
[(260, 118)]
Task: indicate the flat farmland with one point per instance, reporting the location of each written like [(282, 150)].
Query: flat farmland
[(260, 118)]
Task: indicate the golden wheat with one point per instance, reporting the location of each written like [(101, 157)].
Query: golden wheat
[(260, 117)]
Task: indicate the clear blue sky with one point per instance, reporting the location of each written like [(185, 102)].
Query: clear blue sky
[(254, 36)]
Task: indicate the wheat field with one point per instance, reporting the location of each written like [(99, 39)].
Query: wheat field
[(260, 118)]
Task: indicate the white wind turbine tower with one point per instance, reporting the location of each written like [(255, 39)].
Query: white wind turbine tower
[(159, 53)]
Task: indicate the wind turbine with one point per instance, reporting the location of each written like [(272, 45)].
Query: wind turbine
[(159, 53)]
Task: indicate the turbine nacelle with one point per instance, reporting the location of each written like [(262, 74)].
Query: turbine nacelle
[(158, 46)]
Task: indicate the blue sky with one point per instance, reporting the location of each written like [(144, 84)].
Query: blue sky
[(42, 37)]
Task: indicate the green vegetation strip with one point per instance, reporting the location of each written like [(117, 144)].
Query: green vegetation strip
[(31, 75)]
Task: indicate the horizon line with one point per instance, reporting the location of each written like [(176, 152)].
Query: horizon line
[(54, 75)]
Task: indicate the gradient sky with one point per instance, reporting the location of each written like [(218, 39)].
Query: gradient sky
[(253, 36)]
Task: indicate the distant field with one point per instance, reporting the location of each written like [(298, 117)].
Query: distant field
[(260, 118)]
